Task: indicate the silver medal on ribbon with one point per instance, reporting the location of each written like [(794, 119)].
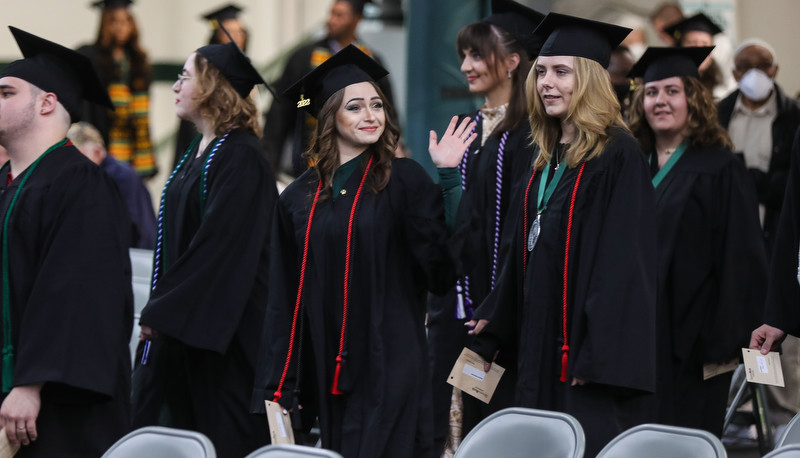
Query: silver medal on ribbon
[(533, 235)]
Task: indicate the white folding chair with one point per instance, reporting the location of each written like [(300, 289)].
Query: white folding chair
[(292, 451), (661, 441), (521, 432), (787, 451), (160, 442), (141, 271)]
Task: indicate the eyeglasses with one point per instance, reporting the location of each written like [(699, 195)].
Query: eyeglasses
[(182, 78)]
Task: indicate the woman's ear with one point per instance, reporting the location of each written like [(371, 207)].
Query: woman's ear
[(512, 62)]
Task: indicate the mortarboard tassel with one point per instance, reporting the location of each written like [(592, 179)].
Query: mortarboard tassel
[(335, 386)]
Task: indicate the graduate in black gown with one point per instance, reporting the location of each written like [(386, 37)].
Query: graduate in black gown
[(202, 324), (577, 289), (495, 58), (781, 312), (358, 241), (712, 261), (66, 280)]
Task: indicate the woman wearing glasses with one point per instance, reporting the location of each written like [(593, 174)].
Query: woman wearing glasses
[(201, 326)]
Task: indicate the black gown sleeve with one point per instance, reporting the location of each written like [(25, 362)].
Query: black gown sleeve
[(201, 298), (741, 266), (783, 295), (80, 310), (425, 229), (615, 276)]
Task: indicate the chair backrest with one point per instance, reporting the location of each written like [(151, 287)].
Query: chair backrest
[(292, 451), (141, 271), (787, 451), (521, 432), (661, 441), (160, 442), (790, 435)]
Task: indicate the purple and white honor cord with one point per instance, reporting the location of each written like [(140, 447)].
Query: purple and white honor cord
[(463, 298)]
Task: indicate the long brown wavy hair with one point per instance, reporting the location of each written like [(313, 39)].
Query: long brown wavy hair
[(594, 109), (219, 102), (140, 70), (324, 150), (702, 126), (494, 45)]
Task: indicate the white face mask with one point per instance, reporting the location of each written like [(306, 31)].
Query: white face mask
[(756, 85)]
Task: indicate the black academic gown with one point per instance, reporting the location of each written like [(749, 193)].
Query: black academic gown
[(71, 302), (783, 295), (712, 280), (611, 296), (447, 335), (400, 252), (209, 302)]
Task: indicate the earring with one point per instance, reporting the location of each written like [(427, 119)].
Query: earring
[(509, 74)]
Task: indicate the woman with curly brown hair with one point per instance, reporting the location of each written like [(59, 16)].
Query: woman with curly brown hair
[(201, 327), (125, 70), (358, 241), (712, 264)]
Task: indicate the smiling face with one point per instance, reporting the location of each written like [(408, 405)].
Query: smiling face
[(555, 81), (185, 89), (480, 76), (360, 119), (665, 106)]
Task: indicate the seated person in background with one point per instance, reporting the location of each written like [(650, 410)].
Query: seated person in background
[(140, 206)]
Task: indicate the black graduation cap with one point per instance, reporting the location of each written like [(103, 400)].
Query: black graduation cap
[(348, 66), (234, 66), (112, 4), (229, 11), (358, 5), (659, 63), (565, 35), (698, 22), (519, 21), (57, 69)]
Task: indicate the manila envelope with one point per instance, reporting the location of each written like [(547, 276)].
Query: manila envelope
[(468, 376), (6, 450), (765, 369), (280, 424)]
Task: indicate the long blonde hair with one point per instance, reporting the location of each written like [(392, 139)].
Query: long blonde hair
[(594, 108)]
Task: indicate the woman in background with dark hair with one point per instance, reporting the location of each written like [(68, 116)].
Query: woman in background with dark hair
[(202, 324), (358, 240), (712, 262), (124, 68), (495, 57)]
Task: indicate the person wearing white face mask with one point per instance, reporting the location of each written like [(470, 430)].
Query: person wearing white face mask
[(761, 121)]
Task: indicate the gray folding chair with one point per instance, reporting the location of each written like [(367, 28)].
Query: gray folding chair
[(160, 442), (661, 441), (520, 432), (141, 271), (292, 451), (787, 451), (790, 435)]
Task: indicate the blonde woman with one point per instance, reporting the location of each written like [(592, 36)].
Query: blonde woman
[(577, 289)]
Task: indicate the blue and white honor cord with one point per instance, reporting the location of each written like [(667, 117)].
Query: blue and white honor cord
[(463, 299), (160, 232)]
